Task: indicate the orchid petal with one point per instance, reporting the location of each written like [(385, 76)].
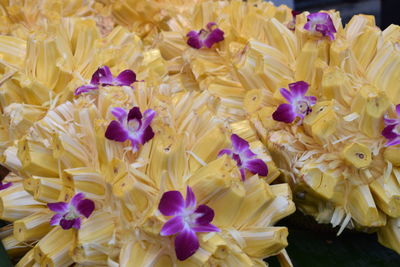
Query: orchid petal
[(215, 36), (398, 110), (126, 77), (116, 132), (210, 25), (67, 224), (190, 198), (135, 144), (388, 132), (55, 220), (393, 142), (284, 113), (192, 34), (243, 173), (105, 76), (311, 99), (85, 207), (85, 89), (206, 228), (322, 28), (207, 215), (239, 144), (77, 199), (119, 113), (390, 121), (194, 40), (147, 135), (77, 223), (95, 78), (286, 94), (307, 26), (320, 16), (5, 186), (148, 117), (247, 154), (298, 88), (186, 244), (237, 158), (135, 113), (59, 207), (256, 166), (173, 226), (225, 151), (171, 203)]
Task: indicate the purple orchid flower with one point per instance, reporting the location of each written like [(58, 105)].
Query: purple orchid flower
[(244, 157), (299, 104), (68, 215), (205, 38), (5, 186), (392, 129), (186, 222), (104, 77), (320, 22), (132, 126)]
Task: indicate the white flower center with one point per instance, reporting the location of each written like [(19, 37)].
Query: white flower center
[(315, 22), (203, 34), (190, 217), (71, 214), (133, 126), (302, 106), (396, 129)]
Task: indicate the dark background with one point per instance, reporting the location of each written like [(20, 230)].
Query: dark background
[(316, 245)]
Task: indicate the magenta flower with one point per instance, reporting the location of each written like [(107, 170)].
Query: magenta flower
[(299, 104), (392, 129), (132, 126), (186, 222), (104, 77), (322, 23), (68, 215), (5, 186), (244, 157), (205, 38)]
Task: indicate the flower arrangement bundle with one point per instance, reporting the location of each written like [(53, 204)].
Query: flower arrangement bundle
[(130, 157), (173, 133)]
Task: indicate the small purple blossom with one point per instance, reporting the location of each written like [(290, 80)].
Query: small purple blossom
[(299, 104), (5, 186), (205, 38), (187, 220), (322, 23), (104, 77), (68, 215), (392, 129), (244, 157), (132, 126)]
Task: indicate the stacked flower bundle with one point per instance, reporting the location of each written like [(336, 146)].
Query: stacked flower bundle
[(140, 133)]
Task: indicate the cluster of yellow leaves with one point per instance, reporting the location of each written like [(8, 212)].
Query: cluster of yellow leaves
[(53, 142), (55, 146)]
